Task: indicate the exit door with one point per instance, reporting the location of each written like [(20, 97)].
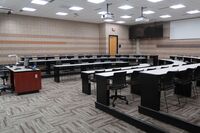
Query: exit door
[(113, 45)]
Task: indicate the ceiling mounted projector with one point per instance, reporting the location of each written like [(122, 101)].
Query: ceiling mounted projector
[(108, 16), (142, 18)]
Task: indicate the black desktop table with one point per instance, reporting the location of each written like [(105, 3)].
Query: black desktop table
[(86, 86), (83, 66), (150, 91), (102, 79)]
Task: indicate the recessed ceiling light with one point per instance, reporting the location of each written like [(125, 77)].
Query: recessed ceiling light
[(102, 12), (62, 13), (96, 1), (165, 16), (154, 1), (125, 7), (39, 2), (177, 6), (120, 22), (193, 12), (28, 9), (108, 20), (148, 12), (76, 8), (125, 16)]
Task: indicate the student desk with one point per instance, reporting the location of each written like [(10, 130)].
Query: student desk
[(191, 59), (86, 86), (150, 92), (83, 66), (24, 80), (49, 62), (102, 80)]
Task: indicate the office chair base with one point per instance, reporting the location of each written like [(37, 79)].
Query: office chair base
[(115, 97)]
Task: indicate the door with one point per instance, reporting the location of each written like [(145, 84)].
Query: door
[(113, 45)]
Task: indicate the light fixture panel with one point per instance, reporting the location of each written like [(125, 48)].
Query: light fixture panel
[(193, 12), (141, 19), (39, 2), (102, 12), (154, 1), (28, 9), (61, 13), (178, 6), (120, 22), (96, 1), (75, 8), (125, 7), (165, 16), (125, 17), (148, 12)]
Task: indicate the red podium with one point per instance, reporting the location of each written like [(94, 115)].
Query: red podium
[(24, 80)]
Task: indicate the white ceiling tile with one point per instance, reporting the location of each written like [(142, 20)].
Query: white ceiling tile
[(90, 12)]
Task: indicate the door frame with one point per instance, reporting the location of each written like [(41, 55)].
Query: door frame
[(109, 43)]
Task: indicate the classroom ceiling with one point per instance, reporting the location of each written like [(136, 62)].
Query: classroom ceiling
[(90, 11)]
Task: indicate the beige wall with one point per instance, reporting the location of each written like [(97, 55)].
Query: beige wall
[(122, 31), (25, 35), (102, 38), (166, 47)]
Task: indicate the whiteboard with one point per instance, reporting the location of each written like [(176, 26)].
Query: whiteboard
[(185, 29)]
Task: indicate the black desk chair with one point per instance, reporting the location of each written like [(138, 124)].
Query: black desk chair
[(92, 79), (118, 83), (183, 78), (175, 65), (148, 69), (134, 82), (4, 74), (166, 84), (116, 69), (164, 67), (4, 77), (196, 78)]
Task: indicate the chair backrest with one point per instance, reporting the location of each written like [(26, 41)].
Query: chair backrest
[(167, 80), (135, 73), (197, 73), (98, 71), (41, 58), (116, 69), (3, 71), (174, 65), (164, 67), (190, 74), (119, 78), (134, 77), (185, 76), (148, 69)]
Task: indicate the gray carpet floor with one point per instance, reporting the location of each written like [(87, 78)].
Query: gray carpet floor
[(63, 108)]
